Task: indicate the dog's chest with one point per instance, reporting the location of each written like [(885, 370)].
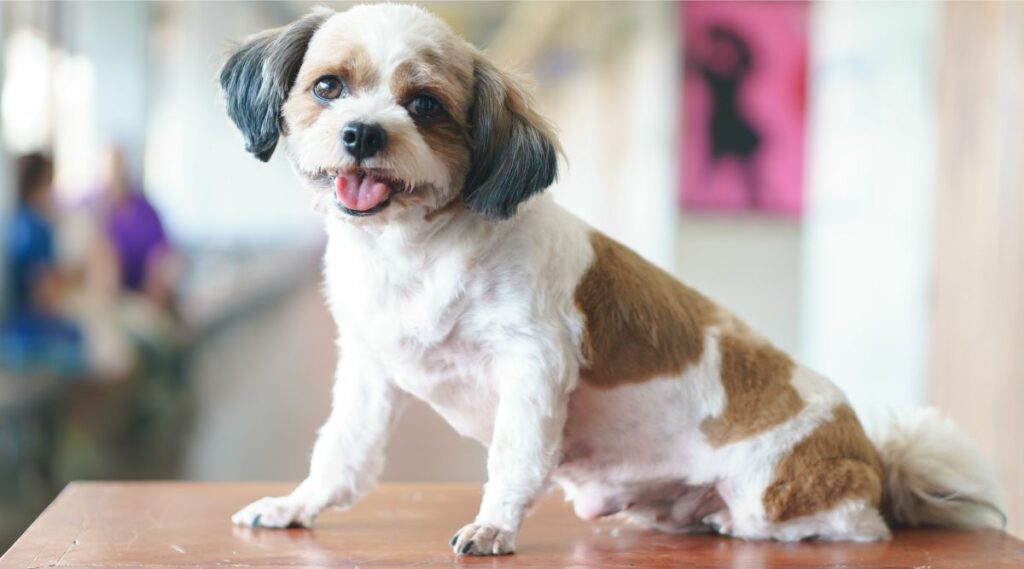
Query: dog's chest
[(440, 357), (404, 314), (426, 325)]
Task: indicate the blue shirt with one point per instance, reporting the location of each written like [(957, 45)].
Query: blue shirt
[(30, 251)]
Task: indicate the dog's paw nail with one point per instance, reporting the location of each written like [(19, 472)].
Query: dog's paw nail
[(477, 539), (282, 512)]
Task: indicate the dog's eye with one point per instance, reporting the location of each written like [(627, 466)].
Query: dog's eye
[(328, 88), (424, 106)]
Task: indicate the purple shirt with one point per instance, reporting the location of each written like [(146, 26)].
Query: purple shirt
[(134, 229)]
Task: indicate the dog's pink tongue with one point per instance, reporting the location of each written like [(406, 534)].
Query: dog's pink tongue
[(359, 194)]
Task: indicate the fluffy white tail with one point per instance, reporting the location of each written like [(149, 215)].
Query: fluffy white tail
[(934, 475)]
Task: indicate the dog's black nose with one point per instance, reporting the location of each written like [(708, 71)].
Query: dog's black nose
[(363, 140)]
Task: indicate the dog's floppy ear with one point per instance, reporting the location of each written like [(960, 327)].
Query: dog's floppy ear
[(514, 153), (258, 75)]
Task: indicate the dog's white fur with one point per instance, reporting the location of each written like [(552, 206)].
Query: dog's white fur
[(925, 450), (476, 317)]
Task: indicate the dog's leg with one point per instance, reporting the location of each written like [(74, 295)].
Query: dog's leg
[(527, 435), (347, 456)]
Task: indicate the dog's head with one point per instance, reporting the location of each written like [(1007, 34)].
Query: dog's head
[(384, 107)]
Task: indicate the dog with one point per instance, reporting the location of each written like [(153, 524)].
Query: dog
[(455, 279)]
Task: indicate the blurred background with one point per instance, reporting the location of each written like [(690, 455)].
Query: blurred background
[(848, 177)]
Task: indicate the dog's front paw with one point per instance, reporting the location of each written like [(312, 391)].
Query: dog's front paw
[(479, 539), (280, 512)]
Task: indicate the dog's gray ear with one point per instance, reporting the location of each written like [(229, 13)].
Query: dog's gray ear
[(514, 154), (257, 77)]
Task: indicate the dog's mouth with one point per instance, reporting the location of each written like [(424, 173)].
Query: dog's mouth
[(361, 192)]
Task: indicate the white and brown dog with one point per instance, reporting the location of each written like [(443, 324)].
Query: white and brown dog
[(452, 279)]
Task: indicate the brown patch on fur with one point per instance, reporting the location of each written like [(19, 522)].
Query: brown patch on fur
[(350, 62), (640, 322), (836, 462), (759, 394), (299, 112), (347, 60), (428, 72), (449, 141), (450, 83), (450, 144)]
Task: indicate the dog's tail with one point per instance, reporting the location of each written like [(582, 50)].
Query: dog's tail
[(934, 475)]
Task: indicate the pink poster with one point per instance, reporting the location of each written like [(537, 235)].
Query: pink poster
[(744, 106)]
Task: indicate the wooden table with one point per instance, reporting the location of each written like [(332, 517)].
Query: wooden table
[(186, 525)]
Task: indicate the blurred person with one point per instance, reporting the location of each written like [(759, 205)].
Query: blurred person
[(36, 335), (146, 261), (126, 301)]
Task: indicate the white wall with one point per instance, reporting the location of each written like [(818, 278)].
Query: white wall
[(617, 125), (752, 265), (209, 189), (867, 233), (119, 70)]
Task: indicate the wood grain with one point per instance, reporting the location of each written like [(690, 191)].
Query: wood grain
[(166, 524)]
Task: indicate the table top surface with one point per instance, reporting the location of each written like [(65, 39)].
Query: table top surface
[(177, 524)]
